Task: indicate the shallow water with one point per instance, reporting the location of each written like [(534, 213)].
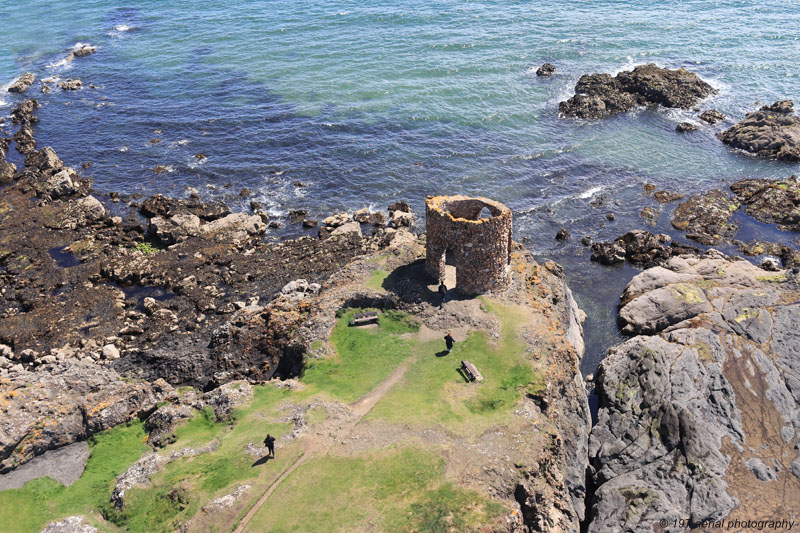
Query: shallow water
[(369, 103)]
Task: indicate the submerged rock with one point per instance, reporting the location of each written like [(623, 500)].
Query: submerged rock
[(70, 85), (772, 132), (685, 127), (601, 95)]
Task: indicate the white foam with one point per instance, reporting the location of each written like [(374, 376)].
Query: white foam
[(122, 27), (590, 192)]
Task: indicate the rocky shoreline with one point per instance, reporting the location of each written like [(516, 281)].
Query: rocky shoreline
[(105, 318)]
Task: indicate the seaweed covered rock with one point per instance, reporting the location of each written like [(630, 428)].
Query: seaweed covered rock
[(771, 201), (707, 217)]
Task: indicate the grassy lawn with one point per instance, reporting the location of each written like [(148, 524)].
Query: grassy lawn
[(433, 392), (375, 282), (400, 490), (366, 355), (43, 500)]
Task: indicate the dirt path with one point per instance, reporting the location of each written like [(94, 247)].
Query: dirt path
[(315, 444)]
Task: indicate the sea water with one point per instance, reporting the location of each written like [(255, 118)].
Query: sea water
[(366, 103)]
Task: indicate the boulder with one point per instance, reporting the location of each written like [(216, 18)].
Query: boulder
[(711, 116), (22, 83), (59, 185), (169, 231), (365, 216), (639, 247), (70, 85), (334, 221), (601, 95), (45, 159), (685, 127), (83, 49), (771, 132), (236, 227), (402, 219), (70, 524), (348, 230), (562, 234), (161, 206), (547, 69), (7, 172)]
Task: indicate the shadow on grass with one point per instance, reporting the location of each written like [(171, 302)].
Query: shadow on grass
[(409, 283), (442, 353), (263, 460), (463, 374)]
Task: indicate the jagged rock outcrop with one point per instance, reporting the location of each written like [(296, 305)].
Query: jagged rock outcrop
[(23, 83), (546, 70), (64, 402), (772, 132), (601, 95), (639, 247), (699, 413)]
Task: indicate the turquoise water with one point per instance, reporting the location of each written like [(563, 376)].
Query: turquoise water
[(368, 103)]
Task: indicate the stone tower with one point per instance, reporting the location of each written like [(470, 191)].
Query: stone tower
[(480, 246)]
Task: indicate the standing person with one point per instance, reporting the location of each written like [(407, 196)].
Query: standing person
[(442, 292), (449, 341), (269, 442)]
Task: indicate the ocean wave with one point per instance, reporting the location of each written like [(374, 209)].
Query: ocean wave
[(588, 193), (120, 30)]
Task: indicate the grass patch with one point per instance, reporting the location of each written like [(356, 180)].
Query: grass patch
[(396, 491), (365, 355), (43, 500), (146, 247), (176, 493), (433, 391), (375, 281)]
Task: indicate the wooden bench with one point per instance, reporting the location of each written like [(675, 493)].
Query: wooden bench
[(359, 319), (470, 371)]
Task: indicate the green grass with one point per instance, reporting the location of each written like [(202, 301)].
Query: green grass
[(375, 282), (43, 500), (146, 247), (399, 490), (366, 355), (208, 475), (433, 391)]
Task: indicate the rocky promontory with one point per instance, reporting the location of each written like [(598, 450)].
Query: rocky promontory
[(699, 410), (603, 95), (772, 132)]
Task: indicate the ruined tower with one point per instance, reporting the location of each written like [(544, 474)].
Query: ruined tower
[(480, 246)]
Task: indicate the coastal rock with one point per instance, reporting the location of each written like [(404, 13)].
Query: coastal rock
[(547, 69), (23, 113), (161, 206), (334, 221), (59, 185), (601, 95), (173, 230), (771, 201), (365, 216), (706, 217), (7, 171), (236, 227), (695, 411), (44, 160), (348, 230), (772, 132), (23, 83), (67, 403), (712, 116), (685, 127), (70, 85), (639, 247), (562, 234), (83, 49)]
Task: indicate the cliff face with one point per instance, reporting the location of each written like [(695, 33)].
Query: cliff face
[(699, 410)]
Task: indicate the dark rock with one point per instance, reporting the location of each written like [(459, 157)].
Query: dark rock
[(22, 84), (600, 95), (255, 206), (664, 197), (297, 215), (608, 253), (685, 127), (159, 169), (562, 235), (244, 193), (712, 117), (706, 217), (548, 69), (586, 240), (307, 223), (400, 206), (23, 113), (638, 247), (772, 132), (771, 201), (610, 216), (161, 206), (83, 50), (70, 85)]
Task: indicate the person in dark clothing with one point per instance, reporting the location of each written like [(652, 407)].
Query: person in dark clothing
[(269, 442), (442, 292), (449, 341)]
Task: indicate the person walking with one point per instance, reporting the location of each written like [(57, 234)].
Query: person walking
[(442, 292), (269, 442), (449, 341)]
